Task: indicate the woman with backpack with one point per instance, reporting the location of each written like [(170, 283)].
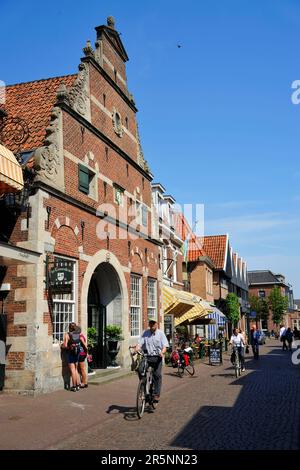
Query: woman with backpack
[(72, 343)]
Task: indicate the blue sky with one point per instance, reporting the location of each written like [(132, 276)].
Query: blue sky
[(216, 119)]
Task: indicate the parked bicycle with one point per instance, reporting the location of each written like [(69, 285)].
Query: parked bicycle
[(183, 360), (236, 361), (145, 394)]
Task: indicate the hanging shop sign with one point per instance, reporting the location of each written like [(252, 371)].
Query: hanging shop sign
[(61, 277)]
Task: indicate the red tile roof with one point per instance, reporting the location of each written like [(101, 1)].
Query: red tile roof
[(33, 102), (215, 246)]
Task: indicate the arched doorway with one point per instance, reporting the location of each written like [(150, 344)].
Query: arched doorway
[(104, 308)]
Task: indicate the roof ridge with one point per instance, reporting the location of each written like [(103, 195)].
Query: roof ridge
[(41, 80)]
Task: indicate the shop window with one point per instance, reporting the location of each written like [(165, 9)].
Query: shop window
[(135, 304)]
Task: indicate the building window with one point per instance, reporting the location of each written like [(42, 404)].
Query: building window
[(104, 100), (261, 293), (117, 122), (135, 304), (127, 169), (119, 195), (64, 303), (126, 122), (85, 179), (144, 216), (152, 299), (115, 73)]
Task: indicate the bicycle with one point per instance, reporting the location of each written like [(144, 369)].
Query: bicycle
[(237, 362), (183, 364), (145, 387)]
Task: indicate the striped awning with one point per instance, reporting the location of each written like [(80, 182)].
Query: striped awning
[(11, 175), (185, 306)]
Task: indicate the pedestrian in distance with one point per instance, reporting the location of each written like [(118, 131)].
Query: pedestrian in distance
[(289, 338), (254, 340), (282, 337)]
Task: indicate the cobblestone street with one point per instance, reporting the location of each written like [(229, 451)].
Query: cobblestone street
[(212, 410)]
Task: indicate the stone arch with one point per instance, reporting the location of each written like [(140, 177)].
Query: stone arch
[(104, 256), (137, 263), (66, 242)]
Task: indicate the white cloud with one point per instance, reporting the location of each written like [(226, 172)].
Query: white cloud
[(251, 224)]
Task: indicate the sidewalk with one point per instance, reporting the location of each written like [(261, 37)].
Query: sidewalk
[(53, 417)]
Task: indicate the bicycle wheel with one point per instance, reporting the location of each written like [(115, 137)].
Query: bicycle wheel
[(141, 398), (180, 371), (190, 369)]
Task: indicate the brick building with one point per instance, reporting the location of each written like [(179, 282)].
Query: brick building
[(89, 218), (261, 282)]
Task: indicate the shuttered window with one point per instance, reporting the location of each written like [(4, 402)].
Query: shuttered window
[(84, 179)]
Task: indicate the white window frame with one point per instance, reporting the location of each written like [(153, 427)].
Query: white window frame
[(135, 307), (67, 303), (152, 299)]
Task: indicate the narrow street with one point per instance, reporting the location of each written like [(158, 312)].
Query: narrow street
[(212, 410)]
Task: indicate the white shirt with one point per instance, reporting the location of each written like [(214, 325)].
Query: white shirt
[(237, 340), (282, 331)]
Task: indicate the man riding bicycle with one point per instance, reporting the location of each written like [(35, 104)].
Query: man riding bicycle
[(154, 343), (237, 341)]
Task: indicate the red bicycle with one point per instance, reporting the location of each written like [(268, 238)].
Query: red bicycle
[(183, 361)]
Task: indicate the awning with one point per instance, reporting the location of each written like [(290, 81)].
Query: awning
[(175, 302), (185, 306), (11, 175)]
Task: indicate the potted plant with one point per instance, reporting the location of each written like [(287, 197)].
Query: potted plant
[(113, 335)]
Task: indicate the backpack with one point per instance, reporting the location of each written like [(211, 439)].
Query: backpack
[(74, 343)]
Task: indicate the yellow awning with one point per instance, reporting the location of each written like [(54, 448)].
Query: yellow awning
[(11, 175), (176, 302), (185, 306)]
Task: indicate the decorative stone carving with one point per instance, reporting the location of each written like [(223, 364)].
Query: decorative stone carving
[(79, 93), (62, 94), (117, 122), (99, 52), (111, 22), (88, 50), (47, 159), (140, 154)]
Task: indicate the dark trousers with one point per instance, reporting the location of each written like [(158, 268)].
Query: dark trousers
[(255, 349), (284, 345), (156, 363)]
